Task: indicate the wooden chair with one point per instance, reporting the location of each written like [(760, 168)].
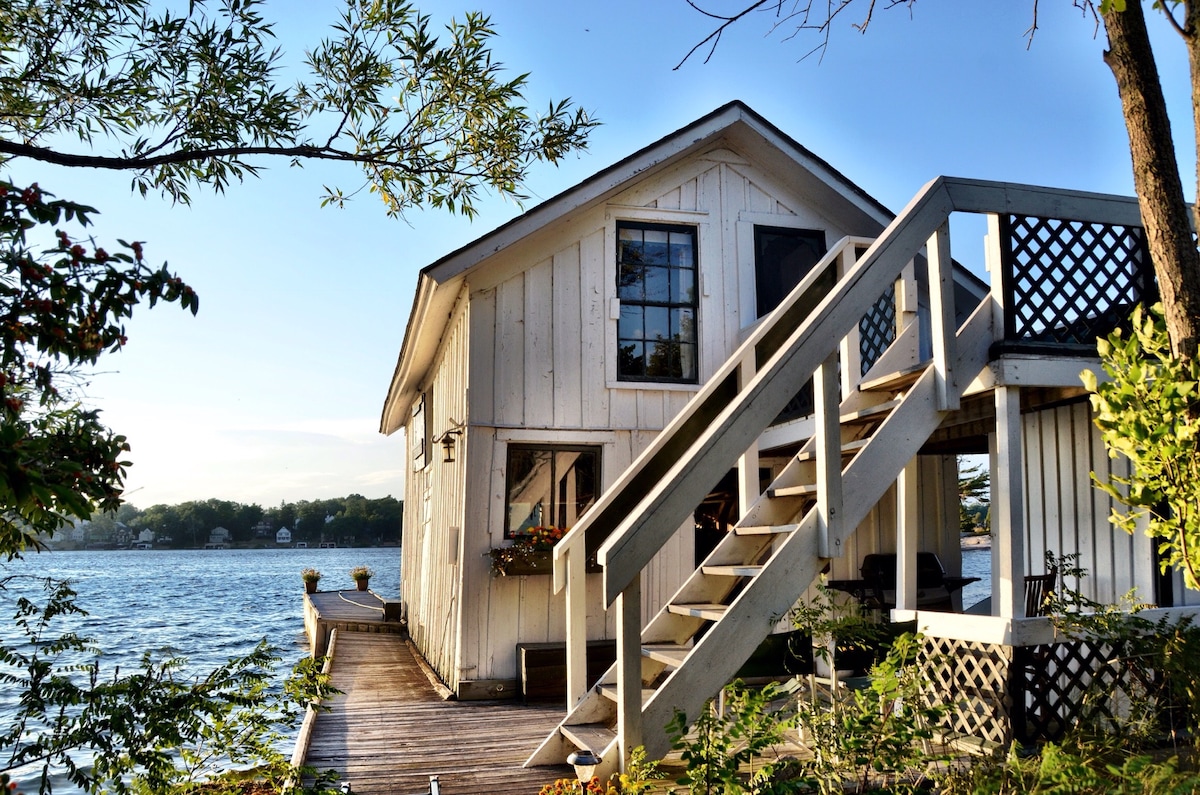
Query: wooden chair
[(1038, 589)]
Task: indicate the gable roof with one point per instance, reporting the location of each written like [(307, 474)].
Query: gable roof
[(735, 124)]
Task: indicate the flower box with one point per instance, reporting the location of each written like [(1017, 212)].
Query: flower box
[(530, 554)]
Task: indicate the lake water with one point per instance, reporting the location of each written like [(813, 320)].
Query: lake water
[(977, 563), (206, 606)]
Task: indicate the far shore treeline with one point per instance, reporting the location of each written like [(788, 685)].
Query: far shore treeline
[(345, 521)]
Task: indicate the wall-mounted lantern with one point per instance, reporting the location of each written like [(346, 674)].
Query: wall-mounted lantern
[(447, 439)]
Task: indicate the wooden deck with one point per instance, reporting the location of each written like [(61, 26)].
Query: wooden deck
[(391, 730)]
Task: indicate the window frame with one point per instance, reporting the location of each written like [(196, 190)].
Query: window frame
[(817, 236), (693, 230), (597, 450)]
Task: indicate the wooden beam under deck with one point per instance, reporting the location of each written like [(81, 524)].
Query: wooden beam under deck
[(390, 730)]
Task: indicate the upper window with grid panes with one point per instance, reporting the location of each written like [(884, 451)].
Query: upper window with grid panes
[(657, 288)]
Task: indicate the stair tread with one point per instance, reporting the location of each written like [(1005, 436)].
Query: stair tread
[(732, 570), (594, 737), (869, 414), (894, 381), (610, 692), (699, 610), (751, 530), (669, 653), (803, 490), (848, 449)]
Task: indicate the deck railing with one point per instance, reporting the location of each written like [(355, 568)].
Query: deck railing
[(1068, 282)]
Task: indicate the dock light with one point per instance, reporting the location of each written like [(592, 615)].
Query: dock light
[(585, 763)]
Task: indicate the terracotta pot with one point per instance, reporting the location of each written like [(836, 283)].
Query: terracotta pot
[(362, 584)]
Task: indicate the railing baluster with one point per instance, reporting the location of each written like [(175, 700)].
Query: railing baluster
[(941, 311), (748, 482), (629, 669)]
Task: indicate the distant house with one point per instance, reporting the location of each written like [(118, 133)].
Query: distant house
[(219, 538), (283, 536), (146, 536)]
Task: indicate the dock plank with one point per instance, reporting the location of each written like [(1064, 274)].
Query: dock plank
[(390, 731)]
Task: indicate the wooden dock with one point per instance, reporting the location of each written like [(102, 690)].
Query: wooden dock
[(351, 610), (391, 729)]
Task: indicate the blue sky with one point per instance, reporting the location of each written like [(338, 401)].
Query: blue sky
[(274, 391)]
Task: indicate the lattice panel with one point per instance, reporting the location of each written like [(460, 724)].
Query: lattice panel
[(877, 329), (1071, 281), (1034, 694), (972, 678), (1095, 683)]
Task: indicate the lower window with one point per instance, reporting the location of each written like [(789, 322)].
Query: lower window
[(549, 486)]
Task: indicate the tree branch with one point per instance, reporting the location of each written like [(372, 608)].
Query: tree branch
[(307, 151), (715, 36)]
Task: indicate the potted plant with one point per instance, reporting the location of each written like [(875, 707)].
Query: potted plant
[(311, 577), (362, 576)]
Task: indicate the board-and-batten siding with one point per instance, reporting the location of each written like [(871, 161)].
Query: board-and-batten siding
[(1065, 511), (433, 521)]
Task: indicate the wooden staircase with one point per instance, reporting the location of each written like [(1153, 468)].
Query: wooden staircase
[(860, 446), (758, 571)]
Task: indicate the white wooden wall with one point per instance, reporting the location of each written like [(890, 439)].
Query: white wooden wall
[(1065, 513), (431, 553), (542, 334)]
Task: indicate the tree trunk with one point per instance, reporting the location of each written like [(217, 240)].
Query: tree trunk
[(1155, 169)]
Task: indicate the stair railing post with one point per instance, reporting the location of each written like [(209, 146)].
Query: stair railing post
[(907, 301), (576, 586), (629, 670), (828, 459), (748, 483), (851, 352), (941, 312)]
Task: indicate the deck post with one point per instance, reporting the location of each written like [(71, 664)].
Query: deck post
[(907, 519), (941, 312), (629, 670), (829, 459), (576, 622), (1008, 506)]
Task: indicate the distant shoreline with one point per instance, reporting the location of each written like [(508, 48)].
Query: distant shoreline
[(230, 548), (977, 541)]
